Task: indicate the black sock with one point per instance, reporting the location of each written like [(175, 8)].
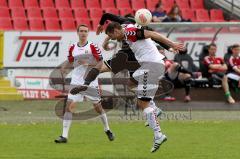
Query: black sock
[(187, 86), (91, 76)]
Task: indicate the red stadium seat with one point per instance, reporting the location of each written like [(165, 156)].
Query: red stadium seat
[(216, 15), (20, 24), (124, 11), (95, 22), (18, 13), (85, 21), (183, 4), (80, 13), (77, 4), (4, 13), (95, 13), (15, 3), (123, 4), (202, 15), (197, 4), (5, 24), (68, 24), (62, 4), (31, 3), (3, 4), (188, 14), (50, 13), (36, 24), (112, 10), (93, 4), (65, 13), (107, 4), (46, 4), (34, 13), (168, 3), (52, 24), (151, 4), (138, 4)]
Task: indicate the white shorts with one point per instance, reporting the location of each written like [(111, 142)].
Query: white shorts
[(233, 76), (148, 76)]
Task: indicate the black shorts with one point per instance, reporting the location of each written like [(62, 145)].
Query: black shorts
[(124, 59), (176, 82)]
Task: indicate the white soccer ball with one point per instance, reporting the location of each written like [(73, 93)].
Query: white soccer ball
[(143, 17)]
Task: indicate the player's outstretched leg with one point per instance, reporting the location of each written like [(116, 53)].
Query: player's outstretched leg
[(103, 116), (157, 110), (67, 121)]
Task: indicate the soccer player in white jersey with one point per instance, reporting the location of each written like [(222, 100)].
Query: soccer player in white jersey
[(151, 70), (82, 55), (149, 73)]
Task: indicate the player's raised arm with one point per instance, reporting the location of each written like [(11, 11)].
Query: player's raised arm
[(105, 43), (158, 37)]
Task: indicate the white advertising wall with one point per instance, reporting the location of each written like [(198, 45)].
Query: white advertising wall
[(31, 56)]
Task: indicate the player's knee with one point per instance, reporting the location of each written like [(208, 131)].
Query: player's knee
[(98, 107)]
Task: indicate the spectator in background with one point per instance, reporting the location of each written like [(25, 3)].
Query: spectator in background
[(217, 69), (234, 64), (158, 14), (175, 15)]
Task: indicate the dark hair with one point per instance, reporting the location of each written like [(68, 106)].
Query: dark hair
[(212, 44), (235, 46), (113, 25), (82, 25)]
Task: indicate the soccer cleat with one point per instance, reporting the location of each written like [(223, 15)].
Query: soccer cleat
[(78, 89), (159, 112), (61, 140), (110, 135), (158, 142)]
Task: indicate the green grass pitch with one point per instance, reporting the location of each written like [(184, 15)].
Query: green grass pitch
[(24, 135)]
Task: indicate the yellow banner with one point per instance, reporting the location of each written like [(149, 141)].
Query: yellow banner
[(1, 49)]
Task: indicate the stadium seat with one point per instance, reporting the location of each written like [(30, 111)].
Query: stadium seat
[(68, 24), (95, 13), (216, 15), (5, 24), (138, 4), (18, 13), (34, 13), (93, 4), (123, 4), (107, 4), (3, 4), (168, 3), (80, 13), (36, 24), (49, 13), (15, 3), (65, 13), (46, 4), (76, 4), (95, 22), (52, 24), (85, 21), (62, 4), (151, 4), (20, 24), (112, 10), (31, 4), (197, 4), (4, 13), (124, 11), (202, 15), (183, 4), (188, 14)]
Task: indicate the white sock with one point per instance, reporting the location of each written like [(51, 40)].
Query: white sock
[(67, 120), (155, 108), (152, 121), (104, 119)]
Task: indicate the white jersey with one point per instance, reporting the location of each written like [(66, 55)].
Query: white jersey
[(145, 50), (89, 54)]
